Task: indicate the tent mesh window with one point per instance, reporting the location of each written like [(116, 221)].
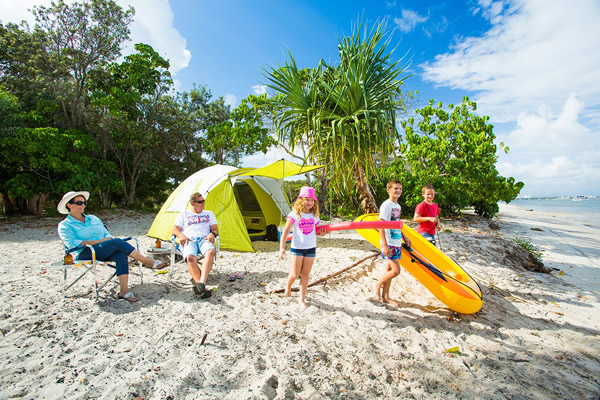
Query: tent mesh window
[(250, 208)]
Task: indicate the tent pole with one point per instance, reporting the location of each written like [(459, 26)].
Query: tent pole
[(281, 216)]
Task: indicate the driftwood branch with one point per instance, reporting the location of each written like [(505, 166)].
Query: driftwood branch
[(324, 279)]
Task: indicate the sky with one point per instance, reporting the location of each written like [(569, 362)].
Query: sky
[(532, 66)]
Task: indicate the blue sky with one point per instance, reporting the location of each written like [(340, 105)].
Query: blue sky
[(532, 66)]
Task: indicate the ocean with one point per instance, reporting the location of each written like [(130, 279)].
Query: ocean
[(580, 210)]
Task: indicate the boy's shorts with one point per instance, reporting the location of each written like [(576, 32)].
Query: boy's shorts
[(312, 252), (196, 246), (396, 253), (429, 237)]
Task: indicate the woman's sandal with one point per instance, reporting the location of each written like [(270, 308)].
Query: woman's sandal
[(158, 264), (129, 296)]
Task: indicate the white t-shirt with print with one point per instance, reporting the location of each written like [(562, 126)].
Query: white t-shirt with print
[(195, 225), (305, 234), (390, 211)]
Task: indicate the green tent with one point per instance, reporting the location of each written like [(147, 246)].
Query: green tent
[(244, 200)]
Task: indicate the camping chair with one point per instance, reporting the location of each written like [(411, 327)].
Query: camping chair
[(91, 267), (176, 257)]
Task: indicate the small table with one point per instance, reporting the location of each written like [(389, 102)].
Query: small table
[(159, 251)]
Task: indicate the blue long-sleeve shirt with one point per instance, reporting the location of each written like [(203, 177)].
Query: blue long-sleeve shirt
[(72, 232)]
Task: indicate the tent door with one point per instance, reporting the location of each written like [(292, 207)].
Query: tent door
[(252, 213)]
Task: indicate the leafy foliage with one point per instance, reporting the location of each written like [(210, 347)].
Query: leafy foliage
[(131, 94), (455, 151), (529, 247), (80, 37), (344, 114)]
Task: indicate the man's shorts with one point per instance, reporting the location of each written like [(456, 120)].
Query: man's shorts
[(196, 246), (396, 253), (312, 252)]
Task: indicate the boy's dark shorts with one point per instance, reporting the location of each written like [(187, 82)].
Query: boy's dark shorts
[(396, 253)]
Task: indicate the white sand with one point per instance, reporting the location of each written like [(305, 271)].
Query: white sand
[(537, 335)]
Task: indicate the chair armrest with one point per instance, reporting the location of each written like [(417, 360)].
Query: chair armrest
[(83, 246), (80, 247)]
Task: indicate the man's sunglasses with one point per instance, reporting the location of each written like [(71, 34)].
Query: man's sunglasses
[(198, 201), (79, 202)]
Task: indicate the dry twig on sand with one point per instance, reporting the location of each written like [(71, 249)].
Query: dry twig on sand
[(324, 279)]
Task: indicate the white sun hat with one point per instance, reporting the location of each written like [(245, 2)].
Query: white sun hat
[(62, 205)]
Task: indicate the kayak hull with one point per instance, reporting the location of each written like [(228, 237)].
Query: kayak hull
[(441, 275)]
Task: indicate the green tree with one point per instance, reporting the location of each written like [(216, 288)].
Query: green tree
[(455, 151), (132, 125), (242, 134), (213, 133), (345, 114), (81, 37), (40, 162)]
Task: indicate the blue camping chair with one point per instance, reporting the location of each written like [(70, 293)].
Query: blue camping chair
[(176, 257), (90, 266)]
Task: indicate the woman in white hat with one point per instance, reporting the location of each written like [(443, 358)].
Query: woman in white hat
[(81, 229)]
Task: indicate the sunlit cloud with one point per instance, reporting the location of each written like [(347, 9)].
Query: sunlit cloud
[(231, 100), (546, 149), (259, 89), (534, 56), (153, 25), (410, 19)]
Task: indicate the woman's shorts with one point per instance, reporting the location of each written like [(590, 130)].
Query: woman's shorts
[(304, 252), (396, 253)]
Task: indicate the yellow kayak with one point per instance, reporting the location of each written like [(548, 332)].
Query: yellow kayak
[(443, 277)]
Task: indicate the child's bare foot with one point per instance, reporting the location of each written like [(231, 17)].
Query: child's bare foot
[(302, 303), (377, 292), (288, 293), (393, 302)]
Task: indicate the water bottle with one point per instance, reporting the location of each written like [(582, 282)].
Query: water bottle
[(68, 259)]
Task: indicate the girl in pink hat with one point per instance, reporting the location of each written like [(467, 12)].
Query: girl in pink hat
[(304, 218)]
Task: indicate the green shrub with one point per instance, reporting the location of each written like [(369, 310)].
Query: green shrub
[(529, 247)]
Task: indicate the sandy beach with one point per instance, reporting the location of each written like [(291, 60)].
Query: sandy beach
[(537, 335)]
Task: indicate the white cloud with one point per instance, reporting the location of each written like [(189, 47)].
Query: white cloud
[(534, 56), (409, 20), (153, 24), (553, 154), (259, 89), (17, 11), (231, 100)]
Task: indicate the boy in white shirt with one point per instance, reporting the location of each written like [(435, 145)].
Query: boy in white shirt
[(391, 242)]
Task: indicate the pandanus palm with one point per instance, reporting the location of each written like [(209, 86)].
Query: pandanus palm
[(345, 114)]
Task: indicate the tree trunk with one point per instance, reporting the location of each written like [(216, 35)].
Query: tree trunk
[(323, 189), (8, 207), (36, 203), (367, 200), (106, 198)]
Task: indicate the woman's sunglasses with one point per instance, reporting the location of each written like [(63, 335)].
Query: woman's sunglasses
[(198, 201), (79, 202)]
